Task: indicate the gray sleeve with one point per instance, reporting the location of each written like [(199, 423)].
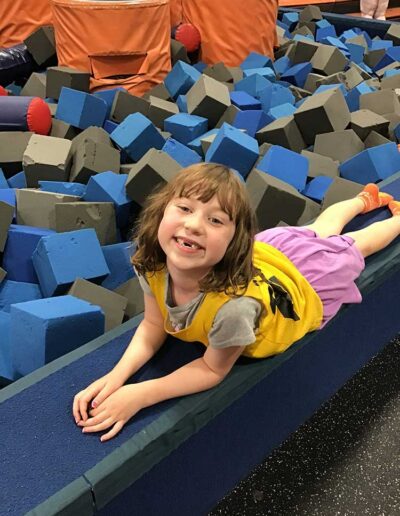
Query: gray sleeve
[(143, 283), (236, 323)]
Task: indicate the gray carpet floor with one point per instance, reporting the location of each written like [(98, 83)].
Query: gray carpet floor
[(344, 461)]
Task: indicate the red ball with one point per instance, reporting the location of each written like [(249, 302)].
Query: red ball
[(3, 92), (189, 36)]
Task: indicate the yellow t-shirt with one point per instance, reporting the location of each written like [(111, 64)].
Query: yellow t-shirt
[(292, 307)]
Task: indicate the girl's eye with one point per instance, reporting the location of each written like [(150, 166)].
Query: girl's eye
[(183, 208), (215, 221)]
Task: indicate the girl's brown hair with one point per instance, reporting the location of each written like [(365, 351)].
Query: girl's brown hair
[(234, 272)]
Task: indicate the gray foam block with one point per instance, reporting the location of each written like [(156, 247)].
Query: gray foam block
[(3, 274), (132, 290), (37, 208), (42, 46), (372, 57), (322, 113), (91, 158), (310, 13), (393, 33), (320, 165), (60, 129), (60, 76), (159, 91), (112, 304), (228, 116), (328, 60), (94, 133), (35, 86), (208, 98), (160, 109), (219, 72), (275, 201), (153, 169), (380, 102), (6, 216), (82, 215), (283, 131), (339, 145), (364, 121), (311, 81), (374, 139), (178, 52), (340, 190), (47, 159), (125, 104), (12, 147), (302, 51)]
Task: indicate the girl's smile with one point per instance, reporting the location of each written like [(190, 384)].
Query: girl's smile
[(194, 235)]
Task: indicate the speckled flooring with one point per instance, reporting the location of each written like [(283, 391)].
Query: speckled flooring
[(344, 461)]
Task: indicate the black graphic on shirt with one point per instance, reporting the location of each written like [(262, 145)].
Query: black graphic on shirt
[(279, 297)]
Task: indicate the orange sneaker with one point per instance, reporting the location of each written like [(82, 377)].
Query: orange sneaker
[(373, 198), (394, 207)]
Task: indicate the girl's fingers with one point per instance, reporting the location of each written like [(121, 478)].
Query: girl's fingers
[(99, 418), (113, 432), (103, 425)]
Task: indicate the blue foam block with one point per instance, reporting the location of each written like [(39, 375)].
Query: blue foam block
[(200, 66), (80, 109), (196, 143), (280, 111), (3, 180), (8, 195), (21, 243), (181, 78), (324, 32), (297, 74), (243, 100), (233, 148), (180, 153), (252, 120), (118, 258), (286, 165), (317, 187), (391, 55), (290, 19), (136, 135), (181, 102), (275, 95), (6, 369), (110, 187), (255, 60), (61, 258), (184, 127), (45, 329), (109, 126), (372, 165), (17, 292), (108, 97), (17, 180), (334, 42), (352, 97), (356, 52), (282, 64), (253, 85), (62, 187), (267, 73)]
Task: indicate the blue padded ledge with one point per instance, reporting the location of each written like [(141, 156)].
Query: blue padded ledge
[(182, 456)]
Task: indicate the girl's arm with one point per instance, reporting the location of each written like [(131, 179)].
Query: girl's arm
[(147, 340), (196, 376)]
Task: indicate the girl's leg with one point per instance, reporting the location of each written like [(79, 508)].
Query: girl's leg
[(332, 220), (380, 13), (377, 236), (368, 8)]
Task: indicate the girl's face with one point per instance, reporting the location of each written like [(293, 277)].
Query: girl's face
[(194, 235)]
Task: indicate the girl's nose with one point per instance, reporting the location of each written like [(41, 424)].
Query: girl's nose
[(193, 222)]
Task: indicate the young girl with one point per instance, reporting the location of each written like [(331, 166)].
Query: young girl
[(206, 278), (374, 9)]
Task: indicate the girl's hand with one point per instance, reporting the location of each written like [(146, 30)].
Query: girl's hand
[(94, 394), (114, 411)]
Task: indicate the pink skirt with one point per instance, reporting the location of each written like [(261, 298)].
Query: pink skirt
[(330, 265)]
